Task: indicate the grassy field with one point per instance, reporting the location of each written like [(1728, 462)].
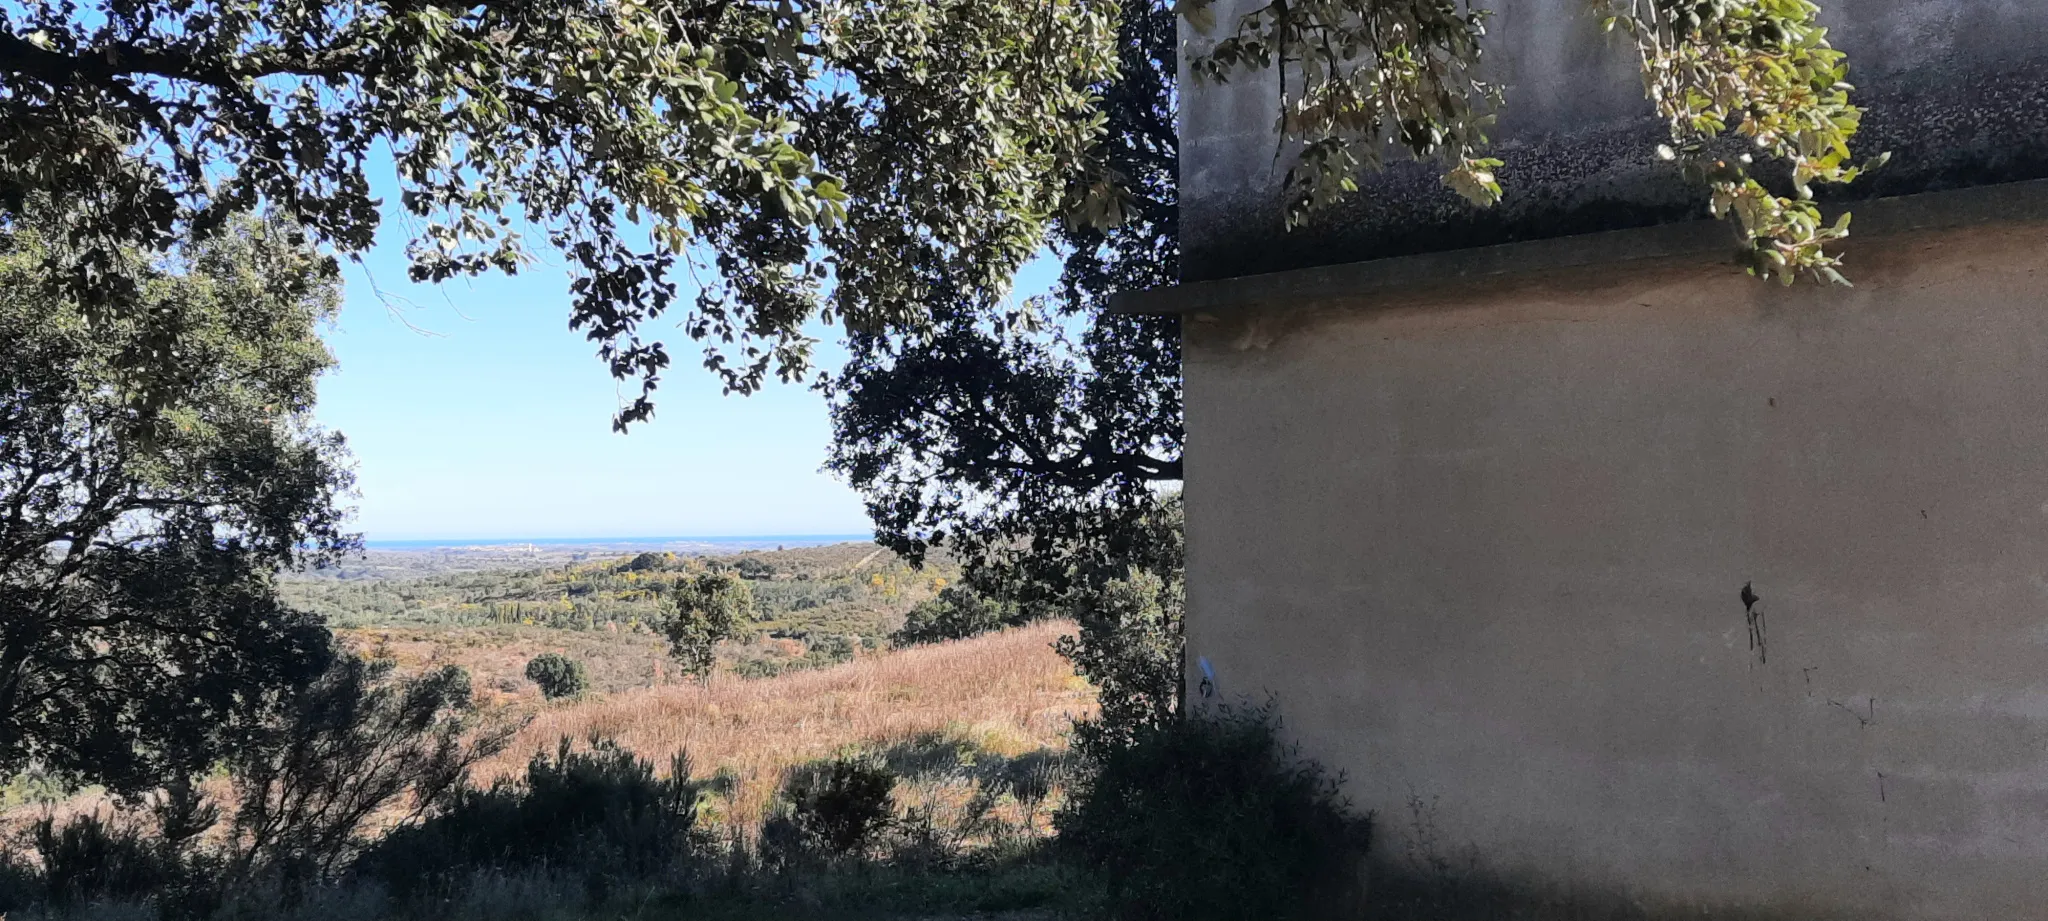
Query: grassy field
[(926, 711), (942, 716), (973, 731), (952, 721)]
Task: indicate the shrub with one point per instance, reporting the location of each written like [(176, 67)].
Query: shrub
[(1129, 646), (358, 742), (21, 886), (89, 858), (830, 648), (1213, 818), (307, 780), (142, 857), (600, 812), (557, 675), (956, 613), (840, 805)]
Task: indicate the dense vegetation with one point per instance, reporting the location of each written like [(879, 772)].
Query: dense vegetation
[(911, 826), (844, 590), (1216, 818), (808, 607), (140, 633)]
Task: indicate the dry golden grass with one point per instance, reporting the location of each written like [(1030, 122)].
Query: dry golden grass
[(496, 656), (1004, 694), (1008, 693)]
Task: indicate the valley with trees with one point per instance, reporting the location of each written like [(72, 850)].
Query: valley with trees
[(650, 617), (215, 704)]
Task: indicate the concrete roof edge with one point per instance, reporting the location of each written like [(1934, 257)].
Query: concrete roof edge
[(2017, 202)]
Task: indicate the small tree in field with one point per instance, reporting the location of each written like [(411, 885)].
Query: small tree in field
[(557, 675), (708, 609)]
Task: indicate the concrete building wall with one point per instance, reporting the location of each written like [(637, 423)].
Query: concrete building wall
[(1955, 90), (1486, 548)]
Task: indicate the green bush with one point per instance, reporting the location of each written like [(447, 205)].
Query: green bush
[(601, 813), (1214, 818), (840, 805), (830, 648), (1129, 646), (705, 611), (955, 614), (558, 675), (21, 885), (89, 858)]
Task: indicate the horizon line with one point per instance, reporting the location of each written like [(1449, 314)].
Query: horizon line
[(621, 539)]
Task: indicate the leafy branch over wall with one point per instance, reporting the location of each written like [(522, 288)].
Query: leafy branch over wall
[(1363, 76)]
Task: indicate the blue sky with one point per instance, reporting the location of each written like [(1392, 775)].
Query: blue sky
[(474, 412)]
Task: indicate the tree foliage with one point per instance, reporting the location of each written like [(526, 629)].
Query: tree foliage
[(1362, 76), (1763, 69), (557, 675), (774, 144), (1000, 435), (1035, 442), (139, 630), (709, 609), (958, 612), (1130, 638)]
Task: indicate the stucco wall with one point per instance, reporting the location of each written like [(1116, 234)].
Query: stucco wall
[(1955, 90), (1487, 548)]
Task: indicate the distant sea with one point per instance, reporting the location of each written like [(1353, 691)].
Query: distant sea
[(748, 542)]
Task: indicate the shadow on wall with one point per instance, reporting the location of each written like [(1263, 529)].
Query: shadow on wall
[(1404, 893), (1426, 882)]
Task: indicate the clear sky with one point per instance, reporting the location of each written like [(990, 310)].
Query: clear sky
[(474, 412)]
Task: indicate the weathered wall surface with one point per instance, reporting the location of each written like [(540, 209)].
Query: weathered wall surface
[(1489, 549), (1956, 90)]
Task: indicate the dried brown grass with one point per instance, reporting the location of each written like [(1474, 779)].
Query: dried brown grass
[(1008, 693), (1004, 694), (496, 656)]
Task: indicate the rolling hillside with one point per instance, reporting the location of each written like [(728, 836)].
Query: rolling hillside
[(929, 711), (815, 606)]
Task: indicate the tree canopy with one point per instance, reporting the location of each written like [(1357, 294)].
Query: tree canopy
[(1040, 452), (1026, 428), (819, 158), (883, 164), (706, 610), (139, 630)]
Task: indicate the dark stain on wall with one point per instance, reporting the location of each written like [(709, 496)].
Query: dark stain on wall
[(1755, 619)]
